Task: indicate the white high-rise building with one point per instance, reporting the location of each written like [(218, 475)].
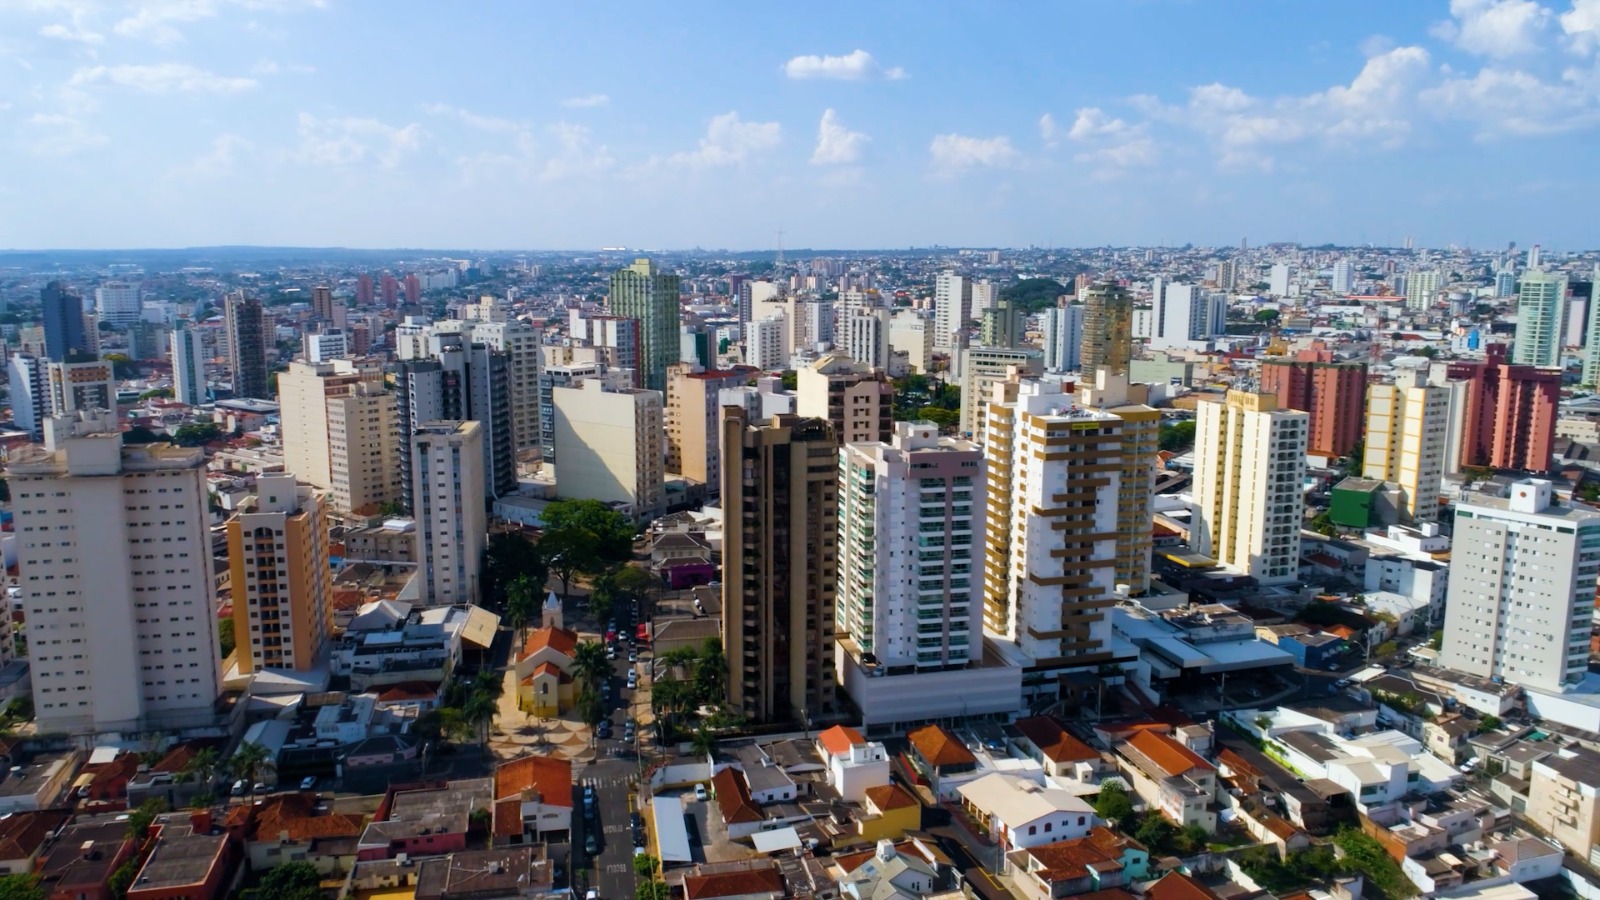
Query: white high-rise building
[(610, 446), (519, 341), (326, 346), (1541, 315), (1249, 481), (952, 308), (1278, 280), (1407, 425), (188, 366), (114, 550), (1343, 277), (1054, 468), (981, 369), (911, 333), (29, 392), (911, 594), (81, 384), (813, 324), (1421, 288), (984, 296), (1063, 338), (340, 432), (866, 338), (118, 303), (1522, 587), (767, 345), (452, 524)]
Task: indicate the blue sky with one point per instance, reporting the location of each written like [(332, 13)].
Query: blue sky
[(850, 125)]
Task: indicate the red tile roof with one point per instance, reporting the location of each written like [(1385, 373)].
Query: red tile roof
[(849, 862), (938, 747), (408, 690), (297, 814), (891, 796), (839, 739), (733, 884), (1054, 741), (1168, 755), (561, 640), (548, 777), (23, 833), (1068, 860), (1178, 886), (733, 797)]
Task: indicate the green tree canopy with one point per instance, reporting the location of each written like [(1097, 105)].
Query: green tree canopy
[(1177, 436), (22, 887), (197, 434), (289, 881), (1113, 803), (509, 556), (1033, 294), (1267, 316)]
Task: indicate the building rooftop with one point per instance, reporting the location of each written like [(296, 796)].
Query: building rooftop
[(1170, 757), (1054, 741), (181, 858), (938, 747)]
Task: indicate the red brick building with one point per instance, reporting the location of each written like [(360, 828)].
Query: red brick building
[(1510, 416), (1335, 394)]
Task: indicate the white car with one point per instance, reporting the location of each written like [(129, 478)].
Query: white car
[(700, 792), (308, 783)]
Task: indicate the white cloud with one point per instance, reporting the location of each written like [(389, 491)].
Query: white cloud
[(854, 66), (1494, 28), (953, 153), (1049, 130), (221, 158), (268, 67), (162, 78), (1110, 144), (586, 102), (729, 141), (154, 20), (578, 156), (836, 144), (73, 33), (60, 135), (475, 120), (1091, 123), (347, 141), (1513, 102), (1581, 25)]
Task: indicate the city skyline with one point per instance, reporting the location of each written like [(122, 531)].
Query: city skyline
[(325, 124)]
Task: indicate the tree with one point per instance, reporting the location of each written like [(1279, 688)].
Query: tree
[(589, 663), (139, 434), (590, 709), (157, 394), (1324, 525), (644, 865), (1033, 294), (1155, 832), (567, 555), (225, 639), (610, 531), (197, 434), (509, 556), (290, 881), (711, 672), (702, 742), (479, 711), (22, 887), (1365, 855), (122, 878), (139, 820), (1387, 648), (652, 890), (636, 585), (522, 604), (1113, 804), (201, 767), (1488, 723), (249, 761), (1177, 436), (122, 367), (1267, 316)]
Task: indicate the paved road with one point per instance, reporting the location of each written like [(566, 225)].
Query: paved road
[(612, 871)]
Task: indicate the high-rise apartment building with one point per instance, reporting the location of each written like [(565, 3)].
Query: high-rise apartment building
[(29, 393), (1407, 430), (1506, 414), (693, 429), (64, 322), (114, 552), (519, 341), (1333, 393), (1421, 288), (1343, 277), (389, 289), (247, 346), (780, 484), (864, 337), (322, 303), (1249, 481), (1278, 280), (189, 366), (1141, 440), (952, 308), (911, 522), (341, 432), (463, 380), (552, 376), (855, 398), (282, 585), (81, 383), (1522, 588), (1541, 315), (981, 369), (1002, 324), (911, 333), (1063, 338), (118, 303), (767, 345), (609, 446), (413, 286), (642, 292), (1054, 473), (1107, 328), (617, 340), (364, 290), (452, 522)]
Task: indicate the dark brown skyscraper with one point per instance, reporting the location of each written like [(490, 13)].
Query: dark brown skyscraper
[(247, 346)]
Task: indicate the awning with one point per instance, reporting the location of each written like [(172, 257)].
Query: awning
[(776, 840)]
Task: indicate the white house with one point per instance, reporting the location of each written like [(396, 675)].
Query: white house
[(854, 763), (1020, 813)]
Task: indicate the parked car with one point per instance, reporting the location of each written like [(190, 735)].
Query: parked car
[(700, 792), (633, 656), (633, 679), (591, 844), (238, 788), (308, 783)]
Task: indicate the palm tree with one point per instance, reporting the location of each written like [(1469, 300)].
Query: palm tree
[(590, 664), (702, 742), (201, 767), (522, 604), (479, 710), (248, 761)]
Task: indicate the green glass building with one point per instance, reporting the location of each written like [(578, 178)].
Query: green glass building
[(641, 292)]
